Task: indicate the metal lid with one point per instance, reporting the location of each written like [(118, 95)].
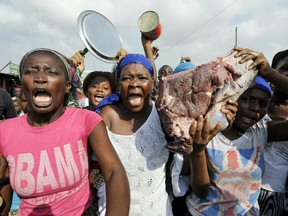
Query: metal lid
[(99, 35)]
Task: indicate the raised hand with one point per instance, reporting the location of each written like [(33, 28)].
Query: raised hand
[(259, 60), (78, 60), (201, 134)]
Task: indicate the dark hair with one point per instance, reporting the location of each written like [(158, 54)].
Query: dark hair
[(278, 57), (164, 66), (93, 75)]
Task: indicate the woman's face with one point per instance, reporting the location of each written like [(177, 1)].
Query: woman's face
[(98, 89), (136, 87), (252, 106), (44, 80)]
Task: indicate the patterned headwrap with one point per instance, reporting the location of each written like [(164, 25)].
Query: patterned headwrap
[(70, 67), (72, 71), (262, 84), (134, 59)]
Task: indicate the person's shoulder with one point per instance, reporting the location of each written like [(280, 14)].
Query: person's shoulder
[(110, 113), (13, 121), (80, 111), (4, 93), (82, 115), (108, 109)]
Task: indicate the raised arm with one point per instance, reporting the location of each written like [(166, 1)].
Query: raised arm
[(150, 53), (117, 186), (277, 130), (78, 60), (195, 158), (260, 62)]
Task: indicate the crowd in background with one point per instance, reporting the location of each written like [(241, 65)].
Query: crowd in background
[(224, 175)]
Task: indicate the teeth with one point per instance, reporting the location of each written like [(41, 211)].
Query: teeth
[(135, 100), (42, 99)]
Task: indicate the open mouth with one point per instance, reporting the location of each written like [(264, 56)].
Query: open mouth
[(135, 99), (98, 98), (42, 97), (248, 120)]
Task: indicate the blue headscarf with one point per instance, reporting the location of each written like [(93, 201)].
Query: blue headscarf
[(134, 59), (183, 66), (262, 84), (115, 98)]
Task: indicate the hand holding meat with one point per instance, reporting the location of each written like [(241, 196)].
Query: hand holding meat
[(201, 131), (259, 61), (230, 110), (202, 90)]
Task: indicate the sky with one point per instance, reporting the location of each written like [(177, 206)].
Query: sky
[(201, 30)]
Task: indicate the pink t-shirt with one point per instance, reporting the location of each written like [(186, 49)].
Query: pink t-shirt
[(48, 165)]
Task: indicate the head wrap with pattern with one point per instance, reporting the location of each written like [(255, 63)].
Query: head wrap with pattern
[(72, 71)]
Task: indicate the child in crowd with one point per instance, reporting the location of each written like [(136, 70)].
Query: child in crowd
[(23, 102), (97, 85), (49, 170), (16, 102), (164, 71), (231, 180)]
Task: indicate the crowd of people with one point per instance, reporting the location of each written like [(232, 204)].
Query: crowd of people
[(111, 156)]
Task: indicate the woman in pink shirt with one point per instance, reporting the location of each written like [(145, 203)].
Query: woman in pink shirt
[(47, 148)]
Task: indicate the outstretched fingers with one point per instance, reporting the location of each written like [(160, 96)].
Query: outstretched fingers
[(259, 60)]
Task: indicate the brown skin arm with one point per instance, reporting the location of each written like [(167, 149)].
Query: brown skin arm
[(6, 191), (6, 194), (277, 130), (260, 62), (202, 133), (117, 186), (150, 53), (195, 163)]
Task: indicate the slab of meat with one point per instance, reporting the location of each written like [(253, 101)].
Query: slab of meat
[(201, 90)]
